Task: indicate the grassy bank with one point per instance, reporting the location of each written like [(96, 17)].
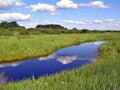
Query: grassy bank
[(103, 74), (23, 47)]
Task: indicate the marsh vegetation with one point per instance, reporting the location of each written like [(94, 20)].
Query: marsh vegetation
[(103, 74)]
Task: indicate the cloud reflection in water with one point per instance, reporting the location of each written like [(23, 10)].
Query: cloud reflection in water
[(3, 79), (62, 59), (10, 64), (66, 59)]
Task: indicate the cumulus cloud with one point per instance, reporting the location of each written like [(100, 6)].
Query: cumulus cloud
[(42, 7), (14, 17), (19, 3), (95, 4), (66, 4), (109, 21), (90, 22), (7, 4), (97, 21), (98, 24), (74, 22), (110, 27)]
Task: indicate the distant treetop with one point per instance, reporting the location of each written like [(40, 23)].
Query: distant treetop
[(53, 26), (7, 25)]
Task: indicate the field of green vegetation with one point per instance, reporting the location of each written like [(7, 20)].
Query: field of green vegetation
[(23, 47), (103, 74)]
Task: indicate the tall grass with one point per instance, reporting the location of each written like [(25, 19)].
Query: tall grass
[(23, 47), (103, 74)]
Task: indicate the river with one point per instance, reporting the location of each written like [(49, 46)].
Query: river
[(63, 59)]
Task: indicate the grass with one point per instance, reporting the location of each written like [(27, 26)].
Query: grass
[(24, 47), (103, 74)]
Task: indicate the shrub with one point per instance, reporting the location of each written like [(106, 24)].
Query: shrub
[(24, 32)]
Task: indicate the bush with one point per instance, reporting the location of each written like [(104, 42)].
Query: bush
[(7, 33), (24, 32)]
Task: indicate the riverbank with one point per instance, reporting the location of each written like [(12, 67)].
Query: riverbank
[(100, 75), (67, 58), (16, 48)]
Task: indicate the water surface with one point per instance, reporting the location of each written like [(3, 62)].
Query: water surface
[(63, 59)]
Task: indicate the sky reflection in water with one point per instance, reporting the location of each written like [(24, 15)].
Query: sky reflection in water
[(63, 59)]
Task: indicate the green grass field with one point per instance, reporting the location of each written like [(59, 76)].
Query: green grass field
[(103, 74), (24, 47)]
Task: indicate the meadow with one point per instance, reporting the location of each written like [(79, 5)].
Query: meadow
[(103, 74), (14, 48)]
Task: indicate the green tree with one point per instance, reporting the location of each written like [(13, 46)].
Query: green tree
[(53, 26)]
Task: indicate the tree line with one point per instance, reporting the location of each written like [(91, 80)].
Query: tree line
[(13, 28)]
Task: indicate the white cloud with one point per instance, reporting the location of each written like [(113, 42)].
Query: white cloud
[(117, 22), (7, 4), (14, 17), (113, 24), (74, 22), (66, 4), (97, 21), (98, 24), (47, 22), (54, 14), (109, 21), (95, 4), (93, 22), (68, 21), (80, 22), (42, 7), (19, 3), (110, 27)]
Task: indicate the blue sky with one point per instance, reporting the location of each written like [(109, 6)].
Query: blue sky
[(82, 14)]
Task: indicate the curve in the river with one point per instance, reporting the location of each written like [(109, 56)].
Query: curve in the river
[(62, 59)]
